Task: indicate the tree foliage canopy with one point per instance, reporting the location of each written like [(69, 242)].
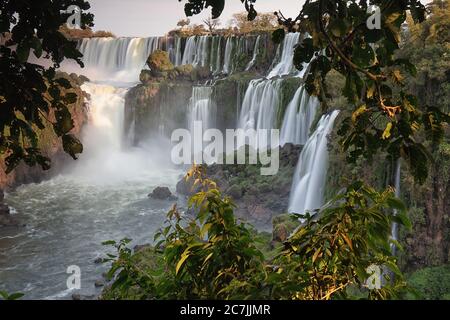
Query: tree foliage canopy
[(29, 92)]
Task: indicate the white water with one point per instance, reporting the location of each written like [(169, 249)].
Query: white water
[(201, 107), (119, 59), (256, 51), (101, 196), (197, 51), (286, 65), (397, 182), (298, 118), (310, 174), (228, 55)]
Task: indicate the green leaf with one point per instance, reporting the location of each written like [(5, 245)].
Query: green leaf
[(37, 46), (338, 27), (23, 51), (278, 35), (72, 145), (16, 296), (180, 263)]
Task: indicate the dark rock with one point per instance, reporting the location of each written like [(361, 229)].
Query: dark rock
[(2, 195), (4, 209), (99, 283), (98, 260), (162, 193)]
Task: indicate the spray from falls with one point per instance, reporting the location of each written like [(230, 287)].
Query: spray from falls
[(310, 174)]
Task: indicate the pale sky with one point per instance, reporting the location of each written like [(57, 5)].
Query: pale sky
[(141, 18)]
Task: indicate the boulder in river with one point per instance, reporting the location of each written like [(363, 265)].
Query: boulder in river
[(162, 193)]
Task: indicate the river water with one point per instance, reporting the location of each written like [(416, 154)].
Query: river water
[(101, 196)]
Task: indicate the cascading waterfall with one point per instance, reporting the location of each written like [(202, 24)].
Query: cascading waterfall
[(310, 174), (228, 55), (177, 50), (113, 55), (215, 57), (255, 54), (260, 106), (189, 51), (197, 51), (298, 118), (286, 65), (201, 107)]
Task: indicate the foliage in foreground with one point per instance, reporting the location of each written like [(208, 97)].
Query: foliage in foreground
[(13, 296), (32, 96), (213, 256)]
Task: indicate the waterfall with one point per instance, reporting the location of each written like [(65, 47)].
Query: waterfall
[(189, 51), (260, 105), (310, 174), (201, 107), (113, 55), (215, 55), (394, 230), (178, 56), (255, 54), (228, 55), (196, 51), (286, 65), (298, 118)]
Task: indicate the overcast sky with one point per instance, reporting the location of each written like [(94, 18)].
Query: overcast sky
[(134, 18), (141, 18)]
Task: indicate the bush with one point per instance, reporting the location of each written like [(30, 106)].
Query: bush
[(431, 283), (213, 256)]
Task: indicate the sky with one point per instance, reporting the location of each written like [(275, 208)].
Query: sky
[(142, 18)]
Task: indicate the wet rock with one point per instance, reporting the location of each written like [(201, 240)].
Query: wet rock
[(98, 260), (162, 193), (99, 283)]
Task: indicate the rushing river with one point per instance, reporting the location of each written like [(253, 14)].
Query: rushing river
[(101, 196)]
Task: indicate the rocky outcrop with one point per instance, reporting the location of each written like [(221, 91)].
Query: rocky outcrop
[(49, 143), (162, 193)]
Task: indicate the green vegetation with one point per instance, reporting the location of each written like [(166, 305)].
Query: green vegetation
[(431, 283), (213, 256), (14, 296)]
